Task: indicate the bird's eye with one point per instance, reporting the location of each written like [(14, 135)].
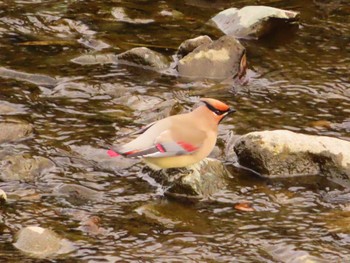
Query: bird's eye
[(218, 112)]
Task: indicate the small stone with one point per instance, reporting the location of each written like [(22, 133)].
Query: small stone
[(37, 79), (23, 167), (14, 131), (142, 56), (41, 243), (3, 196), (7, 108), (77, 194), (102, 59)]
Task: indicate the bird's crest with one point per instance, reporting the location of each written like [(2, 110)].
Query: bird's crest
[(216, 104)]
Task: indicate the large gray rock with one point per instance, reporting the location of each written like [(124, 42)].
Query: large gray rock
[(282, 153), (22, 167), (252, 21), (14, 131), (199, 181), (220, 60), (41, 243), (144, 57)]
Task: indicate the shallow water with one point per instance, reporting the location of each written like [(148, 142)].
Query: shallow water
[(297, 78)]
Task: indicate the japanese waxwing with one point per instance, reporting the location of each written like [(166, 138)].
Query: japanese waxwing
[(178, 140)]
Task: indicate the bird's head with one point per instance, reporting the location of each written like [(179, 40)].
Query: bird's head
[(219, 109)]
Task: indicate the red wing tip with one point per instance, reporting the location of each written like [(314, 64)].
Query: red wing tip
[(187, 146), (112, 153)]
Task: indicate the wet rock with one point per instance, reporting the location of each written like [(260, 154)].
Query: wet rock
[(220, 59), (191, 44), (282, 153), (290, 254), (23, 167), (7, 108), (93, 43), (120, 15), (41, 243), (173, 214), (337, 197), (14, 131), (252, 21), (37, 79), (77, 193), (3, 196), (108, 58), (199, 181), (142, 56)]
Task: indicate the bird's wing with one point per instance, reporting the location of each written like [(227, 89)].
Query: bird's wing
[(176, 141)]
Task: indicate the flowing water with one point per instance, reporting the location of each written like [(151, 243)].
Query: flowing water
[(298, 80)]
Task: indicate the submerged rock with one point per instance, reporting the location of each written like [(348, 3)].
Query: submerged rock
[(120, 15), (41, 243), (108, 58), (220, 59), (191, 44), (284, 153), (37, 79), (11, 131), (199, 181), (22, 167), (252, 21), (7, 108), (142, 56), (77, 194), (174, 215), (287, 253)]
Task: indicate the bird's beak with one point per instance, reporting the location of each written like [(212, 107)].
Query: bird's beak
[(227, 113), (230, 111)]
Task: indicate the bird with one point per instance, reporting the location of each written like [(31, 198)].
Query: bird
[(179, 140)]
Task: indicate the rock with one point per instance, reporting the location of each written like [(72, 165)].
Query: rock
[(142, 56), (93, 43), (174, 215), (7, 108), (220, 59), (287, 253), (37, 79), (283, 153), (120, 15), (77, 194), (199, 181), (108, 58), (3, 196), (191, 44), (252, 21), (14, 131), (22, 167), (41, 243)]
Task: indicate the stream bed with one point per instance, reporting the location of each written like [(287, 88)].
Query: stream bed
[(296, 80)]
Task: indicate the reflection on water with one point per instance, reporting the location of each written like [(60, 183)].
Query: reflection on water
[(297, 79)]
